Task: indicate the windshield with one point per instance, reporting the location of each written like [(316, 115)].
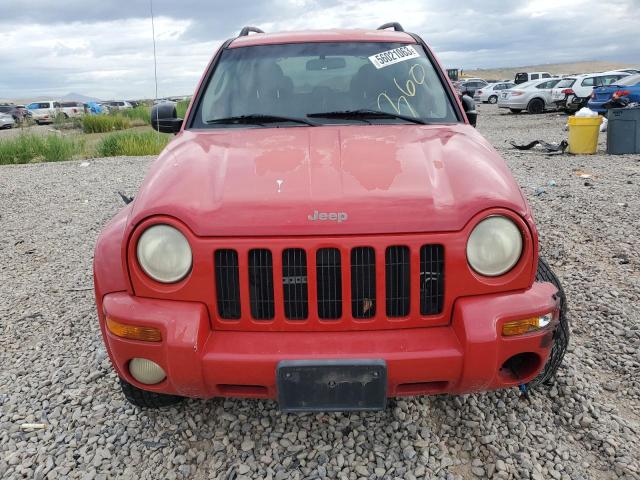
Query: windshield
[(629, 81), (526, 84), (296, 80)]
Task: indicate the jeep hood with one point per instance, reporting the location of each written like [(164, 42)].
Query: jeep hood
[(375, 178)]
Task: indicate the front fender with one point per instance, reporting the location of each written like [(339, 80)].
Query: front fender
[(109, 274)]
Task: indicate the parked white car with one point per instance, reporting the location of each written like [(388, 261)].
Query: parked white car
[(117, 105), (44, 112), (6, 121), (72, 109), (524, 77), (573, 93), (491, 92), (534, 96)]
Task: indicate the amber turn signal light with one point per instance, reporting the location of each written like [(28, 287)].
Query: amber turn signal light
[(133, 332), (526, 325)]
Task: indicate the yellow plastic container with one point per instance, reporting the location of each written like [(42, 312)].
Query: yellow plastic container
[(583, 134)]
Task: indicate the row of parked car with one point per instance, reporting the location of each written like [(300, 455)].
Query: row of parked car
[(48, 110), (542, 91)]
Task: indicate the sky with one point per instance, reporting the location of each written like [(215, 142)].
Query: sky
[(104, 48)]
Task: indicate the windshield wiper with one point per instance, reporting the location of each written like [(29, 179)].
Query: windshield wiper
[(259, 119), (363, 113)]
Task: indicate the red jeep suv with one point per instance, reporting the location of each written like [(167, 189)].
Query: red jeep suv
[(329, 230)]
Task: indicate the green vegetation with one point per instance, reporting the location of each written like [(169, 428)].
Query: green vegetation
[(27, 147), (132, 144), (140, 113), (181, 108), (104, 123)]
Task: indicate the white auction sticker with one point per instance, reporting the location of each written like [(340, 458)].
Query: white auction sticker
[(400, 54)]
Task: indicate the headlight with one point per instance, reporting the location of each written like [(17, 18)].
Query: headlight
[(494, 246), (164, 253)]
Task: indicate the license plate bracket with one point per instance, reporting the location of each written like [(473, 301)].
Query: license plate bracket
[(332, 385)]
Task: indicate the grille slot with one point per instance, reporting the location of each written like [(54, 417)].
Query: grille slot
[(261, 284), (431, 279), (397, 278), (363, 282), (329, 283), (227, 284), (294, 284)]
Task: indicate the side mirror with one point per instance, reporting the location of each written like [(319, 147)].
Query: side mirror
[(164, 118), (470, 109)]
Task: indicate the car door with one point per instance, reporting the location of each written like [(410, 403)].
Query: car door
[(586, 87), (546, 90)]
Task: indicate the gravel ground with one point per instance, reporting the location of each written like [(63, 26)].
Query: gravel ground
[(54, 369)]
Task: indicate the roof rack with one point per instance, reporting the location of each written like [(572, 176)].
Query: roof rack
[(245, 31), (396, 26)]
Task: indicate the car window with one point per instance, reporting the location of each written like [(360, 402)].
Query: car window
[(546, 75), (297, 79), (56, 105), (5, 109), (588, 82), (535, 76), (521, 77), (565, 83)]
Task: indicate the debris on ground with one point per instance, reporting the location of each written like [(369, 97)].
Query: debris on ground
[(559, 147)]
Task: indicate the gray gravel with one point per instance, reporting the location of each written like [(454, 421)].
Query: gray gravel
[(54, 370)]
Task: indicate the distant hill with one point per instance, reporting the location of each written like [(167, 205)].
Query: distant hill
[(78, 97), (503, 73), (69, 97)]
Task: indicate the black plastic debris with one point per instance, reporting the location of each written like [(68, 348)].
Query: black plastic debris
[(548, 147), (125, 199)]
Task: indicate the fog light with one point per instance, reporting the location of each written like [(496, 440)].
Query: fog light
[(145, 371), (133, 332), (526, 325)]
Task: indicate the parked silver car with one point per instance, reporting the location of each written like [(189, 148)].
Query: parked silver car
[(491, 92), (6, 121), (534, 96)]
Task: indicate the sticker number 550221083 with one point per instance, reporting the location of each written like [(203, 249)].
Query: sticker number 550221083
[(390, 57)]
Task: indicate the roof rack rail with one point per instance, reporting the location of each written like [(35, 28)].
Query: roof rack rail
[(245, 31), (396, 26)]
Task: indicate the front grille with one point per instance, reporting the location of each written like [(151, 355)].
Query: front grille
[(397, 280), (363, 282), (330, 284), (431, 279), (261, 284), (294, 284), (227, 284)]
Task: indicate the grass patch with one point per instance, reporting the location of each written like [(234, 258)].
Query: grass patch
[(141, 114), (27, 147), (131, 144), (181, 108), (104, 123)]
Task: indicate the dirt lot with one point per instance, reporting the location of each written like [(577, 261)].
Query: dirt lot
[(54, 369)]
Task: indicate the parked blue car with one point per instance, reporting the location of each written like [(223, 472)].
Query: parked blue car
[(625, 88)]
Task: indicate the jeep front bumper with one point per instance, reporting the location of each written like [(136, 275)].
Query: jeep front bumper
[(467, 355)]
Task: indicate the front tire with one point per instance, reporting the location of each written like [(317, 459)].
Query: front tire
[(561, 334), (145, 399), (493, 99), (535, 106)]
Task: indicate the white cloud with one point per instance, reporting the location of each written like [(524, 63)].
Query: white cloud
[(104, 49)]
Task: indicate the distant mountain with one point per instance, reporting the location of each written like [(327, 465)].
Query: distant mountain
[(69, 97), (78, 97)]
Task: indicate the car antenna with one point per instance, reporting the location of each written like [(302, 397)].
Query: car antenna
[(155, 66)]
